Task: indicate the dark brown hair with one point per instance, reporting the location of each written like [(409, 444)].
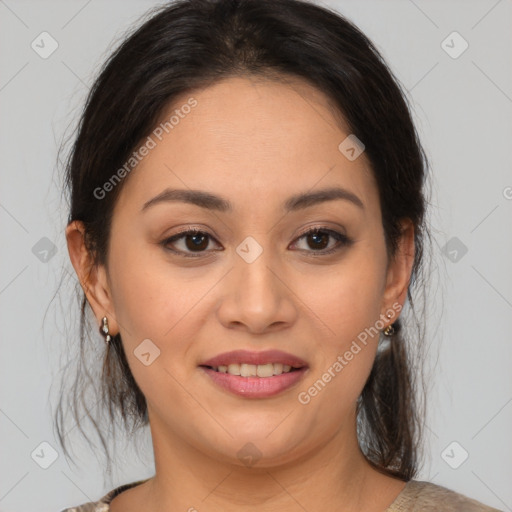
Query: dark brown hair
[(191, 44)]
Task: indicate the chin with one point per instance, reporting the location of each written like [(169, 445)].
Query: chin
[(259, 447)]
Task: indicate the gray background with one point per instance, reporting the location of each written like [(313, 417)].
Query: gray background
[(462, 108)]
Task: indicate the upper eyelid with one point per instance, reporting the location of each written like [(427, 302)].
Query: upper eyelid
[(306, 231), (318, 228)]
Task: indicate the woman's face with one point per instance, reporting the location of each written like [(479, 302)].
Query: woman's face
[(266, 157)]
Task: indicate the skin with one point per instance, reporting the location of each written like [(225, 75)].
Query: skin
[(245, 140)]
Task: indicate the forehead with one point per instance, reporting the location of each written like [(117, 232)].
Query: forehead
[(249, 139)]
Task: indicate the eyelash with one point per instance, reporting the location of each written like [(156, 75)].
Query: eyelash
[(343, 241)]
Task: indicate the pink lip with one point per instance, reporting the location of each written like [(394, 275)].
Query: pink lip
[(249, 357), (255, 387)]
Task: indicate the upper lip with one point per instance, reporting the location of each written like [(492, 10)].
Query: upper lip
[(251, 357)]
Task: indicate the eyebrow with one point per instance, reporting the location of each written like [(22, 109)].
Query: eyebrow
[(213, 202)]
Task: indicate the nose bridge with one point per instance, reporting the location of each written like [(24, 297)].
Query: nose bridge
[(256, 287), (257, 296)]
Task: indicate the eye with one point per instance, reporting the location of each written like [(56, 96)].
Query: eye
[(320, 238), (323, 241), (192, 241)]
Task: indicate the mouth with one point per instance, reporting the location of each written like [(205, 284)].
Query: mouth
[(254, 370), (255, 374)]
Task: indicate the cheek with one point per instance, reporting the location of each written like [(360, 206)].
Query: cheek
[(346, 298), (158, 301), (151, 295), (347, 305), (154, 304)]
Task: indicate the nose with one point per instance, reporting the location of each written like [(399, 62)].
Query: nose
[(258, 297)]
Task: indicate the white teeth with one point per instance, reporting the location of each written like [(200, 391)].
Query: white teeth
[(234, 369), (248, 370), (254, 370), (265, 370)]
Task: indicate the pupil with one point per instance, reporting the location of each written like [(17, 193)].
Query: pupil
[(198, 243), (316, 236)]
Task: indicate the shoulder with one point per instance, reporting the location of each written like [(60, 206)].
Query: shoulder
[(96, 506), (103, 504), (419, 496)]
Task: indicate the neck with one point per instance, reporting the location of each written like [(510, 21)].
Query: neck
[(334, 475)]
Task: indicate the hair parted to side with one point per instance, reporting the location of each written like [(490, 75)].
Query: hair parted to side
[(191, 44)]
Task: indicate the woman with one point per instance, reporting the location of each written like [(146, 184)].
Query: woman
[(247, 222)]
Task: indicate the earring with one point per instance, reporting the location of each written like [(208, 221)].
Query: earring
[(389, 330), (104, 330)]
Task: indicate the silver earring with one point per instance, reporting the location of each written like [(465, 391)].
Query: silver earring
[(389, 330), (104, 330)]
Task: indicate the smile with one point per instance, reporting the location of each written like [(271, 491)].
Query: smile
[(254, 374), (254, 370)]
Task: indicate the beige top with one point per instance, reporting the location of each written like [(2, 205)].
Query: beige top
[(417, 496)]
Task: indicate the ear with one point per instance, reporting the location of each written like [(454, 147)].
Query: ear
[(92, 277), (400, 268)]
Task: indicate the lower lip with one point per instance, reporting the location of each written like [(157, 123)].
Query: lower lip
[(255, 387)]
